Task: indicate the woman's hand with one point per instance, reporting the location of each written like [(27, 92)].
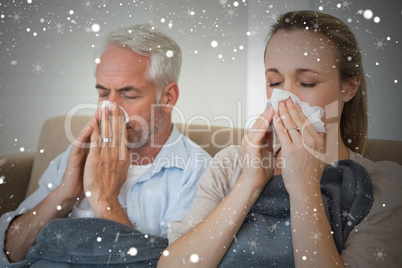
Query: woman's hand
[(107, 164), (211, 238), (302, 170), (258, 161), (301, 174)]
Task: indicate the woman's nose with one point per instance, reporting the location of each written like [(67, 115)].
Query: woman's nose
[(289, 87)]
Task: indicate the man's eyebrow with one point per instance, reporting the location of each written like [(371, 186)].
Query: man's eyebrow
[(99, 86), (125, 89)]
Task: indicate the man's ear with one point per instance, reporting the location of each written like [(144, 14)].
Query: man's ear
[(350, 88), (170, 96)]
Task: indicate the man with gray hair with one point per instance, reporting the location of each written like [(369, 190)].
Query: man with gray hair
[(141, 172)]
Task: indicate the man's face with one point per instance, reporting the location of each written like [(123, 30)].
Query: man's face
[(121, 77)]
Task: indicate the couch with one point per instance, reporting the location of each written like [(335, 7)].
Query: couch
[(19, 174)]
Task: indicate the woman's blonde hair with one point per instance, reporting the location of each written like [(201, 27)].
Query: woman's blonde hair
[(353, 124)]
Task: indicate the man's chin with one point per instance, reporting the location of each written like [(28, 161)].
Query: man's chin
[(136, 140)]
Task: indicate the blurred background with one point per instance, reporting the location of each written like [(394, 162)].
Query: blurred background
[(48, 50)]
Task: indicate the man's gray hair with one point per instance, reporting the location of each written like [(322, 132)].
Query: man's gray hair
[(164, 53)]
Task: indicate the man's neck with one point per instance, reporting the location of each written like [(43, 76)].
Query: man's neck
[(147, 154)]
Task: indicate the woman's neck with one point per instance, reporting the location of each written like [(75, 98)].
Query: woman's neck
[(336, 149)]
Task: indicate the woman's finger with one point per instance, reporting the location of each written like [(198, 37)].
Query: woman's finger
[(255, 136), (303, 126), (281, 131), (288, 123), (297, 115)]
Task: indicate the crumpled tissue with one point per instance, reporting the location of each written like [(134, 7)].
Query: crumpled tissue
[(107, 103), (313, 113)]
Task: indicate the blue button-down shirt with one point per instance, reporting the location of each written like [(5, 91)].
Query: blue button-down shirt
[(162, 195)]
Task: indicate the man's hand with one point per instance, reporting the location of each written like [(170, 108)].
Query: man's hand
[(106, 167), (72, 184), (23, 230)]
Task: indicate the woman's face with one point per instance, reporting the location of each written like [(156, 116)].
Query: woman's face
[(304, 63)]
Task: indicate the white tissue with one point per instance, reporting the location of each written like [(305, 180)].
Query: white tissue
[(107, 103), (314, 114)]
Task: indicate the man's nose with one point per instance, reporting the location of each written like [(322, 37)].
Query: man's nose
[(114, 97)]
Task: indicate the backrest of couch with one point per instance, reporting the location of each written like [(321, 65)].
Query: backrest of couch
[(55, 132), (52, 142)]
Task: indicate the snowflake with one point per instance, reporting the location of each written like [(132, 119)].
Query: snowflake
[(231, 12), (316, 236), (346, 5), (122, 255), (17, 17), (58, 236), (59, 27), (273, 228), (117, 237), (273, 17), (87, 4), (230, 223), (38, 68), (253, 32), (345, 215), (379, 44), (379, 254), (151, 241), (253, 244), (189, 13), (16, 227)]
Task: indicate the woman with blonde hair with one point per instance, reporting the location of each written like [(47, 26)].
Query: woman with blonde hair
[(301, 212)]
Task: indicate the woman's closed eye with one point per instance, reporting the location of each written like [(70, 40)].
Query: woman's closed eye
[(313, 84), (274, 84), (308, 85)]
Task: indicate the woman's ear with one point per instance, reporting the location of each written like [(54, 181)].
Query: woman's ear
[(350, 88), (170, 96)]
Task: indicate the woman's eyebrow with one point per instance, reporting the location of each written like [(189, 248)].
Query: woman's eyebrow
[(298, 71), (271, 70), (304, 70)]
